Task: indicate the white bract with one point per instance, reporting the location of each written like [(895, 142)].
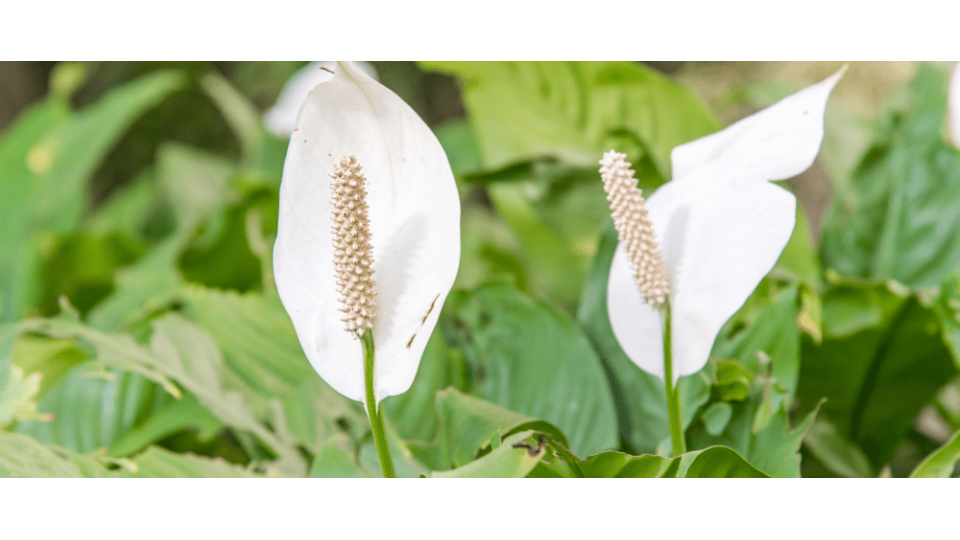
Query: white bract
[(414, 215), (282, 117), (721, 226)]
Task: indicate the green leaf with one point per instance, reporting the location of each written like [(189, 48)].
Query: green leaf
[(332, 461), (195, 182), (800, 256), (176, 415), (947, 306), (49, 194), (640, 397), (467, 424), (573, 111), (22, 456), (772, 335), (835, 451), (900, 214), (620, 465), (717, 462), (533, 359), (942, 462), (881, 360), (263, 360), (92, 409), (159, 463), (765, 439), (124, 212), (717, 416), (507, 461)]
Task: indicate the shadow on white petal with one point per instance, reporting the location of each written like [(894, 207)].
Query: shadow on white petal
[(637, 326)]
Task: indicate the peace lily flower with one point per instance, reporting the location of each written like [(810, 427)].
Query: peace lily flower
[(368, 240), (702, 242), (282, 117)]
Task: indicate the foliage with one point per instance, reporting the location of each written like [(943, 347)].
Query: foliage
[(141, 334)]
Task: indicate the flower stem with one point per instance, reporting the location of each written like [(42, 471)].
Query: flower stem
[(376, 420), (673, 393)]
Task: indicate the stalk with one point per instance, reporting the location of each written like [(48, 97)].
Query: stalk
[(376, 420), (673, 394)]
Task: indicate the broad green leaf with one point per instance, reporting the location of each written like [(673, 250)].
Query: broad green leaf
[(176, 415), (899, 217), (332, 461), (49, 194), (531, 358), (507, 461), (640, 397), (881, 360), (263, 360), (563, 269), (717, 462), (713, 462), (195, 182), (91, 408), (148, 285), (942, 462), (51, 358), (835, 451), (573, 111), (159, 463), (81, 268), (127, 210), (468, 424), (620, 465), (24, 457)]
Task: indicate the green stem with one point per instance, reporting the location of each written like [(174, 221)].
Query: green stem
[(376, 420), (673, 393)]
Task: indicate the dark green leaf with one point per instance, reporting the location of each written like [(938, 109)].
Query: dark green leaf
[(900, 215), (531, 358)]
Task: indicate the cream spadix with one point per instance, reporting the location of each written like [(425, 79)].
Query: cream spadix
[(413, 238), (721, 226)]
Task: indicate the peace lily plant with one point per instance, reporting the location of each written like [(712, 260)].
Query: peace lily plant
[(368, 240), (690, 255)]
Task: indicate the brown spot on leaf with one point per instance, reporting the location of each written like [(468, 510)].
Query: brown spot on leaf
[(328, 70), (410, 343)]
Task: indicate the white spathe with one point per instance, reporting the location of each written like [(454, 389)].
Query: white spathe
[(414, 225), (953, 105), (721, 226), (282, 117)]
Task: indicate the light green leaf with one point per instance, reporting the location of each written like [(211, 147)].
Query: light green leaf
[(835, 451), (573, 111), (942, 462), (24, 457), (717, 462), (533, 359), (159, 463), (49, 193), (176, 415), (620, 465), (507, 461), (467, 425)]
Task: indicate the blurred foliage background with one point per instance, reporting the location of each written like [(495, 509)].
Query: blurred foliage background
[(142, 336)]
